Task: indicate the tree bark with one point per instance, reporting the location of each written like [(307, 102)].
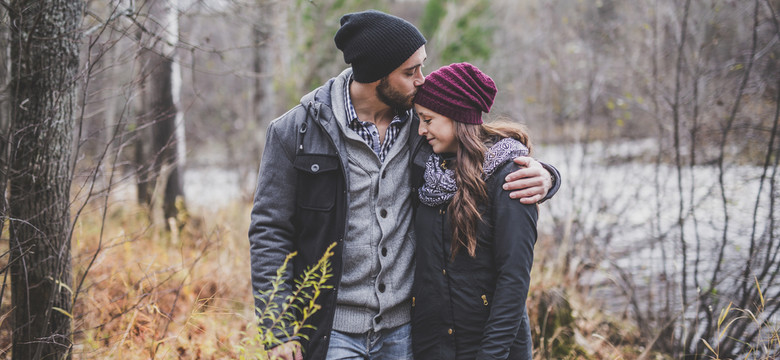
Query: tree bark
[(5, 123), (45, 60)]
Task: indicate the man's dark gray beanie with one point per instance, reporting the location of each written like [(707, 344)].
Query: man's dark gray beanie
[(375, 43)]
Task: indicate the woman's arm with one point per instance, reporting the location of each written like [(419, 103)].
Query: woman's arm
[(514, 232)]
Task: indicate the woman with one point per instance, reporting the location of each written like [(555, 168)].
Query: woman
[(474, 244)]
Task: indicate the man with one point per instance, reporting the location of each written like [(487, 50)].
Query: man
[(336, 168)]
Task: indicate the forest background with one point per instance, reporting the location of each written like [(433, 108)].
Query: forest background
[(132, 132)]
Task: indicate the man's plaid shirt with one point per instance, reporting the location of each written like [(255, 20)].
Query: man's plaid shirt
[(368, 130)]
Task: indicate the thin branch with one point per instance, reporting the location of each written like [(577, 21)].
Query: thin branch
[(678, 155), (721, 171)]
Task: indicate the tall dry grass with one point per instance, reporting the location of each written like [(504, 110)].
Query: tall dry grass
[(150, 294), (567, 321), (153, 294)]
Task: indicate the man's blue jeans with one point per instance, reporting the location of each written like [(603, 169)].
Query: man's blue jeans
[(390, 344)]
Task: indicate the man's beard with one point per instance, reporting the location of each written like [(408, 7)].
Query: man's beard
[(393, 98)]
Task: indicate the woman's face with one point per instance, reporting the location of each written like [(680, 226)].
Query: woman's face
[(438, 129)]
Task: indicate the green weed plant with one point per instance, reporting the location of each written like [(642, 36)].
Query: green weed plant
[(279, 321)]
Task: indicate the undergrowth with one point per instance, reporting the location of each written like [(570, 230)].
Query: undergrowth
[(153, 294)]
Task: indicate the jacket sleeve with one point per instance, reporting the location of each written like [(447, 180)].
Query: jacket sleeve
[(271, 229), (556, 183), (514, 232)]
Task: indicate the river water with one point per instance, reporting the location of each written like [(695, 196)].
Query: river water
[(620, 221)]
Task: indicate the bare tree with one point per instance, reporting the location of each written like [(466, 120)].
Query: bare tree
[(5, 122), (45, 57), (160, 79)]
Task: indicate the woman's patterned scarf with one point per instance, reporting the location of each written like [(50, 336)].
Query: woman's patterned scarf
[(440, 185)]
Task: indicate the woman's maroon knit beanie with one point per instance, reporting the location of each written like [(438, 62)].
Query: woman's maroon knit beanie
[(459, 91)]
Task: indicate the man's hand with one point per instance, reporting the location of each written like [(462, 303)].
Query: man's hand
[(287, 351), (531, 182)]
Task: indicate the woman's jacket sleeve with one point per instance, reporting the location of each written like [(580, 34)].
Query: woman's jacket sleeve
[(514, 231)]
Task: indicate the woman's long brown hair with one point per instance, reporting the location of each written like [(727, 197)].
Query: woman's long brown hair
[(472, 191)]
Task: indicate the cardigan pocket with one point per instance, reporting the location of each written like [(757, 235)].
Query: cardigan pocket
[(318, 176)]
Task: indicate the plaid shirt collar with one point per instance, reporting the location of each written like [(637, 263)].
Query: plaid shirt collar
[(368, 131)]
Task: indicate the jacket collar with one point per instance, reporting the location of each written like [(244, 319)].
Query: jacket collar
[(330, 96), (328, 101)]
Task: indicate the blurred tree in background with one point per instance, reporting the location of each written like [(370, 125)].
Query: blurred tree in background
[(160, 143)]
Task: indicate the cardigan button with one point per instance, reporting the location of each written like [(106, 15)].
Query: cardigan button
[(381, 288), (384, 251), (383, 213)]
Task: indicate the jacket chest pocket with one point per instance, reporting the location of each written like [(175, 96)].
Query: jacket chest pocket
[(318, 177)]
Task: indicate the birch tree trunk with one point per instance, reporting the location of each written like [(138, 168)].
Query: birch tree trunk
[(45, 61)]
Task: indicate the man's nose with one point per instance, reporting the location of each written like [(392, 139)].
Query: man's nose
[(419, 78)]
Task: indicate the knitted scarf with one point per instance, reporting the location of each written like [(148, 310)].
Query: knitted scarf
[(440, 186)]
